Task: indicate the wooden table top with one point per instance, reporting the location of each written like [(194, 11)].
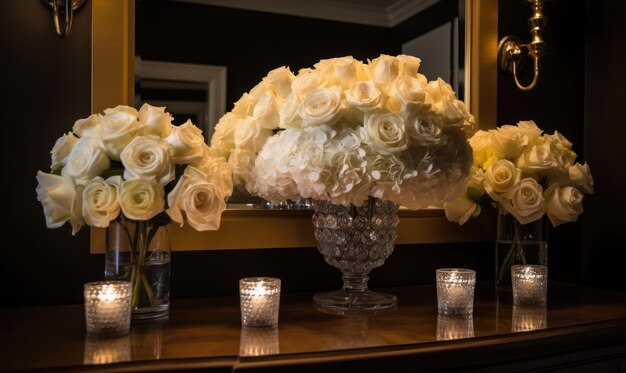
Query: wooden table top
[(208, 332)]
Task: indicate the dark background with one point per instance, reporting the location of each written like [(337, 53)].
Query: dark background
[(46, 87)]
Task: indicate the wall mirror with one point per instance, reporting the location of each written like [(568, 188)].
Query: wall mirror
[(197, 57)]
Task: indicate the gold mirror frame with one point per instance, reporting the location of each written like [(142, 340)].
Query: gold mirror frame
[(113, 84)]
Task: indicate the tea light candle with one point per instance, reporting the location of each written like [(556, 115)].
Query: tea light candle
[(530, 284), (107, 307), (455, 290), (260, 300)]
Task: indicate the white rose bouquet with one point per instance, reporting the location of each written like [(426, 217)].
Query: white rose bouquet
[(129, 164), (528, 174), (137, 169), (344, 130)]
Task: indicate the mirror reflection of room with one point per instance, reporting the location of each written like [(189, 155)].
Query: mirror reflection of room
[(198, 57)]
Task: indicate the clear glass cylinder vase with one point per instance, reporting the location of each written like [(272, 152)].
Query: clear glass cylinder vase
[(518, 243), (139, 252), (355, 240)]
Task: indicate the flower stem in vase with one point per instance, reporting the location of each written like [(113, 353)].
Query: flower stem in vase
[(140, 245), (516, 251)]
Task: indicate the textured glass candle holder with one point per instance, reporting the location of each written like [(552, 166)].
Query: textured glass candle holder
[(451, 327), (258, 341), (107, 307), (455, 290), (528, 318), (530, 285), (260, 300)]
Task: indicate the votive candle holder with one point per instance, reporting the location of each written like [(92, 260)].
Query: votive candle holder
[(260, 300), (455, 291), (530, 285), (107, 307)]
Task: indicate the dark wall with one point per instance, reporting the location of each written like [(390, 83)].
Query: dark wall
[(604, 236), (46, 86)]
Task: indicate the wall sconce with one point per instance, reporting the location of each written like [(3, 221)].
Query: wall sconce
[(63, 7), (510, 56)]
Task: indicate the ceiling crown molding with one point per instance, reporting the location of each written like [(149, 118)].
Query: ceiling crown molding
[(342, 11)]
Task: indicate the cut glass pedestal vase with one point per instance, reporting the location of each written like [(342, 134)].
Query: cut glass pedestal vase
[(355, 240), (518, 243), (139, 252)]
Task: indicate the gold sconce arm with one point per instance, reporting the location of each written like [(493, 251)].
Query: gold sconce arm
[(67, 8), (510, 56)]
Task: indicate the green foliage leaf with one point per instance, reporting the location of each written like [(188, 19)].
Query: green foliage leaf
[(473, 194)]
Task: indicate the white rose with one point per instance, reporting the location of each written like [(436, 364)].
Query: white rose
[(157, 121), (484, 153), (148, 157), (306, 82), (501, 179), (563, 204), (88, 127), (119, 127), (439, 91), (288, 115), (561, 149), (244, 106), (384, 70), (408, 94), (461, 209), (141, 200), (188, 142), (266, 111), (509, 141), (385, 132), (100, 203), (86, 160), (322, 106), (529, 129), (364, 96), (241, 162), (408, 65), (218, 172), (61, 150), (61, 201), (425, 130), (475, 186), (527, 203), (223, 139), (201, 200), (540, 159), (280, 80), (342, 71), (580, 176), (250, 135)]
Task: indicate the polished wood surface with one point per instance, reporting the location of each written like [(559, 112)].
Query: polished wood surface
[(207, 332)]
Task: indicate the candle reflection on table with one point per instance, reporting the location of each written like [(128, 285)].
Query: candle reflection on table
[(450, 327), (106, 350), (528, 318), (258, 341)]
